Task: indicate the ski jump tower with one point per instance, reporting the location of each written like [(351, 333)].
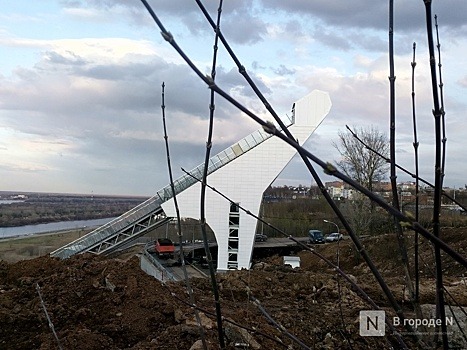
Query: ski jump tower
[(242, 173)]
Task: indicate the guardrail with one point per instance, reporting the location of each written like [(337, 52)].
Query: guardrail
[(159, 266)]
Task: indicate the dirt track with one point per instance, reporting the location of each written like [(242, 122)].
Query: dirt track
[(95, 302)]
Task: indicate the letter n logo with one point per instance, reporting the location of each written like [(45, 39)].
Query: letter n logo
[(372, 323)]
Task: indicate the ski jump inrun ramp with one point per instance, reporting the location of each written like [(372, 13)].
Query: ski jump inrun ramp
[(242, 172)]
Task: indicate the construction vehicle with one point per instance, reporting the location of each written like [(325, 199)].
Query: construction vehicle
[(164, 248)]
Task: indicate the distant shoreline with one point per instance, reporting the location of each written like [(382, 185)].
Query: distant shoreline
[(14, 249), (55, 221), (13, 193), (19, 210), (42, 234), (38, 229)]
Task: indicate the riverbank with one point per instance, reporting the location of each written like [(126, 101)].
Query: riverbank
[(28, 230), (15, 249), (41, 208)]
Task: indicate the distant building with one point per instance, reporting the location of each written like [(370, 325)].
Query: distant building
[(339, 190)]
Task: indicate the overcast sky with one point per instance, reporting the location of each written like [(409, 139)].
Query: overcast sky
[(80, 91)]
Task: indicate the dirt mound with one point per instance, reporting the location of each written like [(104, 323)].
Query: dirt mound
[(101, 303), (98, 303)]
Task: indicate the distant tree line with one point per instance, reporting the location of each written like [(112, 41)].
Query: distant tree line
[(297, 209), (45, 209)]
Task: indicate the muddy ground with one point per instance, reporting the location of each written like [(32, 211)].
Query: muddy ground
[(109, 303)]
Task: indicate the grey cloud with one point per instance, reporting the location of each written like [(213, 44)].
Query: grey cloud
[(356, 13), (115, 128), (126, 86), (373, 14), (112, 124), (238, 22), (349, 39), (128, 98), (125, 71), (332, 39), (141, 165), (370, 42), (233, 79), (71, 3), (54, 58), (244, 29), (294, 28), (283, 70), (256, 65), (24, 169)]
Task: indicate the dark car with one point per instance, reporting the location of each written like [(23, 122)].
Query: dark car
[(315, 236), (260, 238)]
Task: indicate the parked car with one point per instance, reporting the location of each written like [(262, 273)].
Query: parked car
[(315, 236), (334, 237), (260, 237)]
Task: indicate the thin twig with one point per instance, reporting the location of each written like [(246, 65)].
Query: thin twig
[(280, 327), (213, 314), (438, 176), (51, 325), (441, 95), (461, 328), (392, 152), (461, 308), (392, 122), (203, 189), (179, 224), (417, 181)]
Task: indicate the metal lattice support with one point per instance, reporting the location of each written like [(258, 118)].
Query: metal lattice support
[(149, 215)]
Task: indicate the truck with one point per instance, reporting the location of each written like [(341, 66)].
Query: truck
[(315, 236), (164, 248)]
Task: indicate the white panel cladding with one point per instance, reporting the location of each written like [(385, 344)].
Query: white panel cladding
[(246, 178)]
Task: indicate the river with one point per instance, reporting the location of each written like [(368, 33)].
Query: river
[(27, 230), (10, 201)]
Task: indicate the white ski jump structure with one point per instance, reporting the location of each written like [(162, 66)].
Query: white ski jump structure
[(241, 173)]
